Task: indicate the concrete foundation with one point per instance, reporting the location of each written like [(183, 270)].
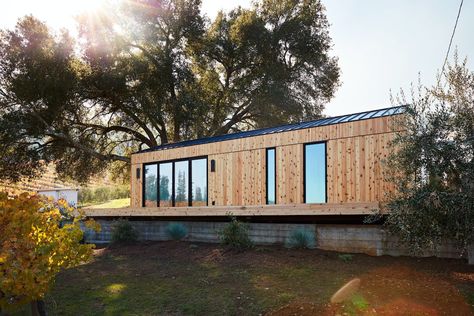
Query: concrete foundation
[(259, 233), (368, 239), (470, 254), (372, 240)]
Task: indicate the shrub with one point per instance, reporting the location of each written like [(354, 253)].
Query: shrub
[(121, 192), (176, 231), (36, 243), (235, 235), (356, 305), (123, 231), (300, 238), (85, 195), (346, 257), (431, 165), (103, 194)]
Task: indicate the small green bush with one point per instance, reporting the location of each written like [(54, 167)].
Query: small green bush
[(123, 231), (346, 257), (235, 235), (300, 238), (176, 231), (103, 194), (121, 192), (356, 305), (85, 195)]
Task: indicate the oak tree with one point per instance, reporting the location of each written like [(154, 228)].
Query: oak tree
[(149, 72)]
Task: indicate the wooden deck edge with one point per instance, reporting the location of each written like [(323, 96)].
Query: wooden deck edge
[(256, 210)]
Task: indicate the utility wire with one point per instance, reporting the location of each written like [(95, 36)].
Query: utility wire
[(452, 36)]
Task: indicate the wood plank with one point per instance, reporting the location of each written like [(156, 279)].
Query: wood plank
[(254, 210), (337, 131)]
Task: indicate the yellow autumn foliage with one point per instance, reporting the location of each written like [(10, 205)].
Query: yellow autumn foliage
[(38, 238)]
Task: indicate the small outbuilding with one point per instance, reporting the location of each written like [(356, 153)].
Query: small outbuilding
[(67, 194)]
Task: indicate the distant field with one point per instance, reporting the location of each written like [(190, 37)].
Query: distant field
[(118, 203)]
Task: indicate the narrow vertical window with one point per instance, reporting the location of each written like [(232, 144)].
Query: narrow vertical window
[(181, 170), (315, 173), (199, 182), (150, 185), (166, 182), (271, 176)]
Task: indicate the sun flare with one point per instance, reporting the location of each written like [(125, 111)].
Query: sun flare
[(58, 13), (86, 5), (74, 6)]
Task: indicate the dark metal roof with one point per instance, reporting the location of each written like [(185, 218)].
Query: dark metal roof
[(284, 128)]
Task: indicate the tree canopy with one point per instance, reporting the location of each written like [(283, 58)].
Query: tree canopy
[(151, 72), (433, 165)]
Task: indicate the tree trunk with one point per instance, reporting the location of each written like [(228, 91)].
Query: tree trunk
[(176, 136), (38, 308), (470, 253)]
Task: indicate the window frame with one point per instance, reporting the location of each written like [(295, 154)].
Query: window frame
[(172, 182), (143, 176), (266, 174), (173, 196), (325, 170), (189, 189), (190, 184)]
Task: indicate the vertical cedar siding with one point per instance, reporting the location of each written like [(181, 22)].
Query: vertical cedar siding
[(355, 170)]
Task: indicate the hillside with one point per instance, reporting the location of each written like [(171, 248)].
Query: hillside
[(49, 180)]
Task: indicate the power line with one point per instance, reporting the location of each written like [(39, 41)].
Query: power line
[(452, 36)]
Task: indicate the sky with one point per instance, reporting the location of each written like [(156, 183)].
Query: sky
[(382, 46)]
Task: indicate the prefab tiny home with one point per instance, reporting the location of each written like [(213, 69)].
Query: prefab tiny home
[(327, 166)]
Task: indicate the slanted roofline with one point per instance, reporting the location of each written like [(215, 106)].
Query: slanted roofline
[(284, 128)]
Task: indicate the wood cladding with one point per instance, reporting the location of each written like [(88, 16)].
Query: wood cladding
[(356, 153), (239, 178), (252, 210)]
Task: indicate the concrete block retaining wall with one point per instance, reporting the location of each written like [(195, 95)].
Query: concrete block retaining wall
[(368, 239), (259, 233), (372, 240), (470, 254)]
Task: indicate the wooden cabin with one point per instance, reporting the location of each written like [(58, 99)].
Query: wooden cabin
[(330, 166)]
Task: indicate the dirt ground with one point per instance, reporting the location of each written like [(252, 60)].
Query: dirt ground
[(182, 278)]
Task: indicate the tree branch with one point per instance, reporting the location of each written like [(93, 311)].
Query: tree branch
[(117, 128), (88, 150)]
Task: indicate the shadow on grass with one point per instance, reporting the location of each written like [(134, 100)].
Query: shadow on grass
[(202, 279), (117, 284)]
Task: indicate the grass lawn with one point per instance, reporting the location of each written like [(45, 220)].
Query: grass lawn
[(182, 278), (118, 203)]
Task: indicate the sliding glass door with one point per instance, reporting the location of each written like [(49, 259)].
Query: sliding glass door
[(199, 182), (181, 178), (151, 180), (176, 183), (166, 182)]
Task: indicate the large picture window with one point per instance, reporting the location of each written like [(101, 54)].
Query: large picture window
[(271, 176), (166, 184), (176, 183), (315, 173), (199, 182), (181, 179)]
